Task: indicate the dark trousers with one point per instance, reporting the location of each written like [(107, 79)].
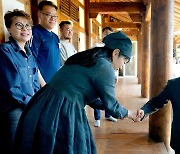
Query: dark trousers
[(8, 124), (97, 114)]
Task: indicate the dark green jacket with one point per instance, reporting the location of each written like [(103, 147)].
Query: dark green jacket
[(55, 120)]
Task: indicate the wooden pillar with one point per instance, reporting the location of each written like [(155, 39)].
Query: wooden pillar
[(34, 10), (2, 38), (139, 57), (161, 58), (87, 25), (145, 60), (106, 18), (174, 43)]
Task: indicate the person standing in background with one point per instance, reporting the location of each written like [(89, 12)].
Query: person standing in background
[(175, 66), (67, 49), (45, 43), (97, 113), (19, 76)]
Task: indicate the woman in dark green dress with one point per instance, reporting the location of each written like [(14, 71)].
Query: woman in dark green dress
[(55, 120)]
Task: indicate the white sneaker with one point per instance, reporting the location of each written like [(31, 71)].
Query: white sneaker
[(111, 119), (97, 123)]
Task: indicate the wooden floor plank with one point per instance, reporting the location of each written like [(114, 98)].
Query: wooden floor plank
[(125, 136)]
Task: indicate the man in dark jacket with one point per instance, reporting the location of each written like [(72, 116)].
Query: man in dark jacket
[(170, 92)]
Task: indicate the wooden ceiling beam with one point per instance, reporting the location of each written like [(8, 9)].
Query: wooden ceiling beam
[(176, 26), (176, 9), (120, 17), (122, 25), (146, 2), (114, 7), (148, 12), (176, 4), (133, 38), (106, 17), (137, 18), (176, 14), (133, 32), (176, 20), (93, 15), (176, 29)]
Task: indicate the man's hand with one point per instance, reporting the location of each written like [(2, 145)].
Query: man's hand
[(136, 116)]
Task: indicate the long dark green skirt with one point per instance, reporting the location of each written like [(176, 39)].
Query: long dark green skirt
[(54, 123)]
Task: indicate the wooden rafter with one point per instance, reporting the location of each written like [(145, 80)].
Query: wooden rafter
[(124, 17), (131, 32), (93, 15), (176, 4), (136, 17), (123, 25), (114, 7)]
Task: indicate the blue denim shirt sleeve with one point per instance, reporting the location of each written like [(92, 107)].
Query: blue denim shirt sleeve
[(19, 75)]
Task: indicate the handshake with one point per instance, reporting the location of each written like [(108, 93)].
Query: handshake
[(136, 116)]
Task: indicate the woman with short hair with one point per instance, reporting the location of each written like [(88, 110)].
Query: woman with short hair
[(19, 75)]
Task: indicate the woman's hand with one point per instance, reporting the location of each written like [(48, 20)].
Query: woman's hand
[(136, 116), (139, 116), (132, 115)]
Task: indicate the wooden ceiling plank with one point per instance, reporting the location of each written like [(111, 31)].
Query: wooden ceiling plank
[(123, 18), (137, 18), (114, 7), (177, 19), (129, 33), (176, 4), (177, 9), (93, 15), (176, 14), (122, 25)]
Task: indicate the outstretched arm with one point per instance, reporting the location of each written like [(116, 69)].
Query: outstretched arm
[(103, 80), (155, 103)]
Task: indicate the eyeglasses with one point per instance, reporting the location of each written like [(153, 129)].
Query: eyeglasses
[(20, 26), (126, 60), (49, 15)]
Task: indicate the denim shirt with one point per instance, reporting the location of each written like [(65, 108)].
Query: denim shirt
[(18, 75)]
